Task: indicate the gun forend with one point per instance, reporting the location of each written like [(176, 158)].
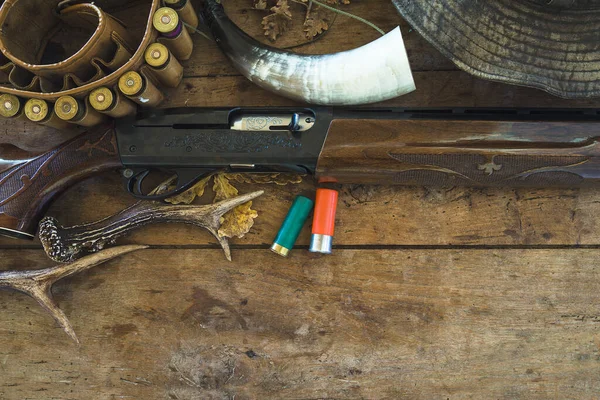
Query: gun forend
[(507, 148)]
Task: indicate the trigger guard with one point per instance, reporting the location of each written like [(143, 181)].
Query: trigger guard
[(134, 183)]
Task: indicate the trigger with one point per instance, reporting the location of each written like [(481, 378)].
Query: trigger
[(138, 181)]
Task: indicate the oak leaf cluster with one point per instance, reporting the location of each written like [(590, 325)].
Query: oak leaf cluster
[(281, 13), (237, 222)]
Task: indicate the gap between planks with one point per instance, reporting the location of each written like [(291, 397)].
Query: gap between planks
[(358, 247)]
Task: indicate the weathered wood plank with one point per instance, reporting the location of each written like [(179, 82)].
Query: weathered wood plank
[(434, 89), (371, 215), (186, 324)]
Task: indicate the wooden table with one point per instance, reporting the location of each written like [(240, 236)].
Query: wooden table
[(430, 294)]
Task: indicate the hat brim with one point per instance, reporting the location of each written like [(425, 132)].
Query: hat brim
[(514, 42)]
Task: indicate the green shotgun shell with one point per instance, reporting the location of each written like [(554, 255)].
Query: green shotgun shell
[(292, 225)]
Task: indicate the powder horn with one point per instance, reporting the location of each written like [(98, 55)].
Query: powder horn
[(375, 72)]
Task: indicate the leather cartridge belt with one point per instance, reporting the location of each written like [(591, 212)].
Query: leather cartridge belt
[(47, 53)]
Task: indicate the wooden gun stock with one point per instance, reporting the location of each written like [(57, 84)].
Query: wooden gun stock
[(27, 189), (461, 153)]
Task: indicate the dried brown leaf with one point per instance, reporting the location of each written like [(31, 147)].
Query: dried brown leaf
[(282, 8), (189, 195), (274, 25), (222, 188), (314, 27), (281, 179), (277, 23), (238, 221), (260, 4)]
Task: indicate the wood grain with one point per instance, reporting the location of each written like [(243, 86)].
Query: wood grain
[(414, 216), (434, 89), (430, 293), (419, 324), (28, 189), (448, 153), (32, 137)]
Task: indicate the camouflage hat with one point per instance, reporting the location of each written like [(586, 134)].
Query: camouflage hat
[(552, 45)]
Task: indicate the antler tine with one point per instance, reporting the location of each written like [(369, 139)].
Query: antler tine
[(43, 295), (38, 283), (65, 244)]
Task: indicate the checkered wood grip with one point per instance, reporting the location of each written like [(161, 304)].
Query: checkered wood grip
[(27, 189)]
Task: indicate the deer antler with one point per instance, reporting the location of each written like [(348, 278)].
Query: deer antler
[(63, 244), (38, 283)]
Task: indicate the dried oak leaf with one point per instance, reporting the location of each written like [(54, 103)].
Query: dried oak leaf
[(260, 4), (238, 221), (189, 195), (277, 23), (222, 188), (314, 27), (282, 7), (280, 179)]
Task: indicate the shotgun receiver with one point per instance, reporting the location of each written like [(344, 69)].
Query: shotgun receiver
[(432, 147)]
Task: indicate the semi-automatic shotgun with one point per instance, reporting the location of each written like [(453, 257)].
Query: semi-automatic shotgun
[(432, 147)]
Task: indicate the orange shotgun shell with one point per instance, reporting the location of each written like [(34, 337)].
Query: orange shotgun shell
[(323, 221)]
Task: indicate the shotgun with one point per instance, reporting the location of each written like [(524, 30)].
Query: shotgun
[(431, 147)]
